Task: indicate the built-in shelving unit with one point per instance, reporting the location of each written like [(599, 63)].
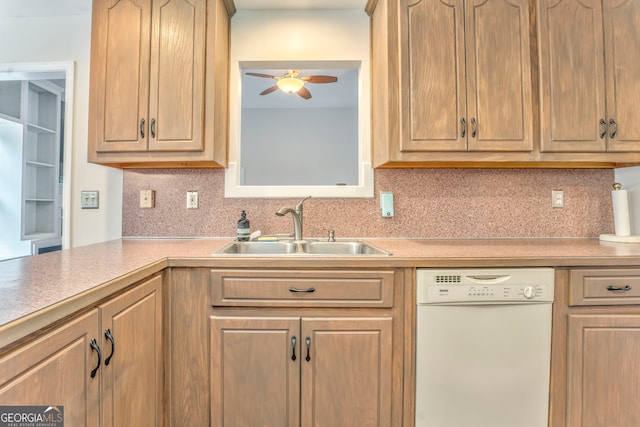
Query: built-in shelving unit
[(36, 104)]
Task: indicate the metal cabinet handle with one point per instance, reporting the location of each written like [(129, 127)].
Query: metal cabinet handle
[(308, 290), (614, 130), (308, 343), (617, 288), (293, 348), (474, 132), (142, 128), (153, 128), (603, 123), (463, 122), (94, 345), (107, 333)]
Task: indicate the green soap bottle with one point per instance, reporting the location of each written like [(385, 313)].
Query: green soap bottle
[(243, 228)]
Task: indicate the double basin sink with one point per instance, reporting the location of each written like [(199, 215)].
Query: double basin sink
[(303, 247)]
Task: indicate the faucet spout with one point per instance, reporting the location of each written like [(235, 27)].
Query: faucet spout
[(297, 224)]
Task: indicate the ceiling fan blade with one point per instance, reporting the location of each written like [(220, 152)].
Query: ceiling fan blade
[(267, 76), (320, 79), (304, 93), (269, 90)]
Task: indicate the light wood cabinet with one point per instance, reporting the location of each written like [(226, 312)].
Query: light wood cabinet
[(596, 341), (463, 70), (99, 381), (55, 370), (589, 75), (325, 349), (132, 369), (159, 82), (274, 371)]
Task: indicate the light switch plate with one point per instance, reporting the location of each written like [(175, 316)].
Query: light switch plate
[(147, 199), (89, 199), (386, 204)]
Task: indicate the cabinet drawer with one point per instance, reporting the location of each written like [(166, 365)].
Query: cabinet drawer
[(304, 288), (604, 286)]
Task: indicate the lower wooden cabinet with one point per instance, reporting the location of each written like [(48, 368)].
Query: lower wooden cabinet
[(603, 373), (55, 370), (101, 379), (595, 350), (290, 371), (132, 370)]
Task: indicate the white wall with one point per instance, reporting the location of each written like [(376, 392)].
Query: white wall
[(630, 180), (68, 38)]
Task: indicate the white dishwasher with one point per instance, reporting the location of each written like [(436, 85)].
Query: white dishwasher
[(483, 347)]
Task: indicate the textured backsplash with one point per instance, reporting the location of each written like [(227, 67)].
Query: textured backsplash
[(429, 203)]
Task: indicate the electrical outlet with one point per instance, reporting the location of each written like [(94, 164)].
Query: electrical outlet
[(147, 199), (89, 200), (192, 200), (557, 199)]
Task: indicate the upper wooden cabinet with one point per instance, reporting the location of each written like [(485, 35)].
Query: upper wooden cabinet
[(457, 78), (589, 75), (159, 82)]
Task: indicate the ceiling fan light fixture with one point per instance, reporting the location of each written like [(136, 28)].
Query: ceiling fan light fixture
[(290, 84)]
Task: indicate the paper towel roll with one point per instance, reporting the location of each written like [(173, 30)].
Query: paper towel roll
[(621, 212)]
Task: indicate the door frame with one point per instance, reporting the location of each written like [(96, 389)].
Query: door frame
[(68, 67)]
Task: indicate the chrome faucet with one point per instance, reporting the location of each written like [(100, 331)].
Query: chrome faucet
[(296, 213)]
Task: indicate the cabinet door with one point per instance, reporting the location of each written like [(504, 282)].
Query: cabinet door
[(433, 86), (120, 58), (346, 380), (133, 365), (55, 371), (572, 82), (622, 41), (603, 375), (255, 372), (499, 105), (177, 75)]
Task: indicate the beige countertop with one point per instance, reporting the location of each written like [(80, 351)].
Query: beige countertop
[(37, 291)]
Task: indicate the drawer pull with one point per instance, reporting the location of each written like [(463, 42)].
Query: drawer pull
[(308, 290), (293, 348), (617, 288)]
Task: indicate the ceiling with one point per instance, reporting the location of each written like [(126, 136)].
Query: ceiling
[(36, 8)]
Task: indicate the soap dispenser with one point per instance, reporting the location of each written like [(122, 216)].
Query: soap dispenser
[(243, 228)]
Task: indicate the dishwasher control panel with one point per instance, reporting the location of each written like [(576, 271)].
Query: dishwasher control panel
[(442, 286)]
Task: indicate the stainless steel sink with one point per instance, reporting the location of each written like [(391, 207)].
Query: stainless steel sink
[(339, 248), (342, 248), (259, 248)]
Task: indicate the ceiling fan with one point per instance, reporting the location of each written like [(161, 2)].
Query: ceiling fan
[(292, 82)]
